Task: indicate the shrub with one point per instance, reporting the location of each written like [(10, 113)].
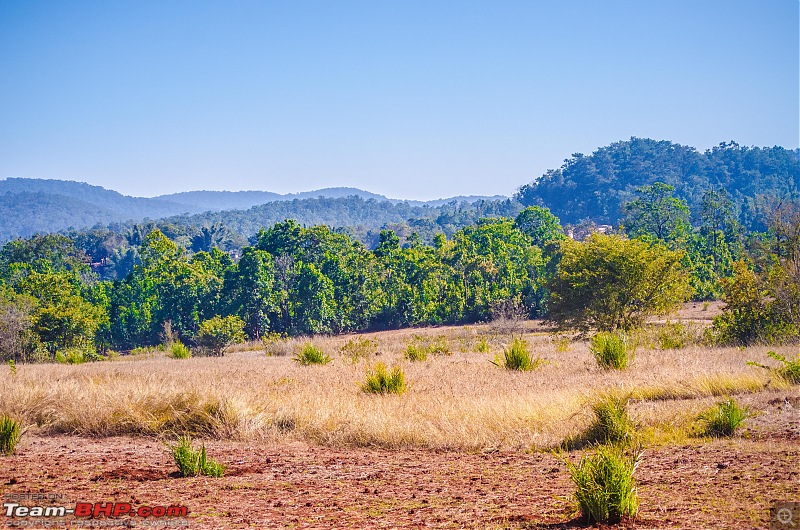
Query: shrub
[(359, 348), (606, 489), (310, 354), (415, 353), (518, 357), (191, 462), (612, 350), (790, 370), (216, 334), (77, 356), (723, 418), (609, 282), (482, 346), (759, 308), (381, 381), (178, 350), (10, 433), (13, 366)]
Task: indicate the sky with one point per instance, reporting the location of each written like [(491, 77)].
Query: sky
[(411, 99)]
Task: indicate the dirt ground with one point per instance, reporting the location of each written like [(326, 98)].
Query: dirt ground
[(725, 484)]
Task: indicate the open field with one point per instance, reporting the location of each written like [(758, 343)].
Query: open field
[(466, 445)]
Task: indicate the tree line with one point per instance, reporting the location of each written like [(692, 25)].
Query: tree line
[(301, 280)]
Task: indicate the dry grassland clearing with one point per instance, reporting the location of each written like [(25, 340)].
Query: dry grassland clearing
[(458, 401), (487, 422)]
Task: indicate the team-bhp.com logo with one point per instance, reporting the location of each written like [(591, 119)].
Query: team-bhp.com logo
[(88, 514), (97, 509)]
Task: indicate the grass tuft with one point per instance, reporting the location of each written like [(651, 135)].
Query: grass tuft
[(310, 354), (10, 433), (415, 353), (723, 418), (381, 381), (359, 348), (178, 350), (612, 424), (612, 350), (606, 489), (191, 462), (518, 357)]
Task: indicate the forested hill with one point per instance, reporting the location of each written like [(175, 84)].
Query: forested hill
[(596, 186), (30, 206), (363, 218)]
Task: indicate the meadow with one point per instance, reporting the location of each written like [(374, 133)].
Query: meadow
[(457, 399)]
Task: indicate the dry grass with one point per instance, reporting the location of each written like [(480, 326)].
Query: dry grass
[(460, 401)]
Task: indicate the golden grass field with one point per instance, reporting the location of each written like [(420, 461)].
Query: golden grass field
[(459, 401)]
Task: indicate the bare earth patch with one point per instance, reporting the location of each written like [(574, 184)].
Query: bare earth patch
[(719, 484)]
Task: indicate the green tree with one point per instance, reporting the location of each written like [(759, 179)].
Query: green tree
[(657, 213), (63, 318), (217, 333), (540, 225), (248, 287), (609, 283)]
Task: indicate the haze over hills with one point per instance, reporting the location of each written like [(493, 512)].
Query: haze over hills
[(30, 206), (591, 187), (242, 200)]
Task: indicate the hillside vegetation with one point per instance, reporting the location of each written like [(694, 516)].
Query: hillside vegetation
[(596, 186)]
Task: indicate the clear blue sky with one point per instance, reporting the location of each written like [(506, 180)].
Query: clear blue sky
[(412, 99)]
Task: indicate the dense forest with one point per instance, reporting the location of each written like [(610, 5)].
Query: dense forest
[(596, 186)]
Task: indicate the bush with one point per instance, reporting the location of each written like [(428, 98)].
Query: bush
[(191, 462), (77, 356), (612, 350), (759, 308), (216, 334), (723, 418), (415, 353), (609, 283), (518, 357), (359, 348), (310, 354), (10, 433), (482, 346), (381, 381), (606, 489), (178, 350), (790, 370)]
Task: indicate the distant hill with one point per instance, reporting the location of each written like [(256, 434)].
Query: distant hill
[(30, 206), (596, 186), (363, 218), (123, 207), (242, 200)]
